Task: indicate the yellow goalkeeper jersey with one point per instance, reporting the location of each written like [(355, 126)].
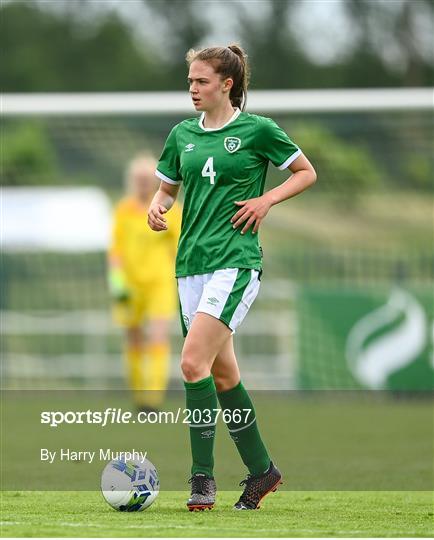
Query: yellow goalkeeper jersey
[(143, 254)]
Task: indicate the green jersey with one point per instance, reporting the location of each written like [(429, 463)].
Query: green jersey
[(218, 167)]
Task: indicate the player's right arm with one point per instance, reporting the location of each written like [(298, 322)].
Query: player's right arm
[(162, 202), (168, 171), (116, 278)]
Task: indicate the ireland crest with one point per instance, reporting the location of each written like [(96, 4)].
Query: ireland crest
[(232, 144)]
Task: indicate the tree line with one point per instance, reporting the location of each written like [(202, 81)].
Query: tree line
[(46, 50)]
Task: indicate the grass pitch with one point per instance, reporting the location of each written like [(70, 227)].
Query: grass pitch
[(330, 451), (283, 514)]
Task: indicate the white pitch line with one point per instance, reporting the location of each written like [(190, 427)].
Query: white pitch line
[(188, 525)]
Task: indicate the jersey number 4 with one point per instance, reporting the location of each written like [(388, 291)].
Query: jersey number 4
[(208, 170)]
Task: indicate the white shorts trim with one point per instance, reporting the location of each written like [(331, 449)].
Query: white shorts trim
[(247, 300)]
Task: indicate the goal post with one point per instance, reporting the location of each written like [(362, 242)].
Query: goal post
[(259, 101)]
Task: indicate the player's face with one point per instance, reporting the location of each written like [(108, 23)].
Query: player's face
[(143, 180), (208, 91)]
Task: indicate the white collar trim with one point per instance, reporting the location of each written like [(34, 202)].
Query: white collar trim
[(236, 114)]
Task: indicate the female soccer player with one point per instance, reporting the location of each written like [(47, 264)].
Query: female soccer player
[(221, 158), (141, 284)]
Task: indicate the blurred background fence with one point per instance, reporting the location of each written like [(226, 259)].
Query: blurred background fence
[(346, 300)]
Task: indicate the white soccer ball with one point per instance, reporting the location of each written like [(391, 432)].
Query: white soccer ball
[(130, 486)]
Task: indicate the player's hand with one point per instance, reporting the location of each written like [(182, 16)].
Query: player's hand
[(121, 296), (156, 219), (118, 287), (252, 212)]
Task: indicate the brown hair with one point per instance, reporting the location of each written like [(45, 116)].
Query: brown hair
[(227, 62)]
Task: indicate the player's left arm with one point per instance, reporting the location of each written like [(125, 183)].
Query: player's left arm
[(253, 211)]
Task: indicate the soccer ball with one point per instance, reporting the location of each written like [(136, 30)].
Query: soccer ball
[(130, 486)]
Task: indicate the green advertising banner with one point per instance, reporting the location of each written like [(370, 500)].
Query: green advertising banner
[(371, 338)]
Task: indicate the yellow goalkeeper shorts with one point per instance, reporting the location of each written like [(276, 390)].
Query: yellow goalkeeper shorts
[(158, 300)]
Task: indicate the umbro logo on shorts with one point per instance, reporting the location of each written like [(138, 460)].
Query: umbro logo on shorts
[(232, 144), (189, 147), (207, 434), (213, 301)]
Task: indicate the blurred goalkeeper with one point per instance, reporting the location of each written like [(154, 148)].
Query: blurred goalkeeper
[(142, 286)]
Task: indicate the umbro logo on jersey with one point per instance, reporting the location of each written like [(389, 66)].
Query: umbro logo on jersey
[(232, 144), (189, 147)]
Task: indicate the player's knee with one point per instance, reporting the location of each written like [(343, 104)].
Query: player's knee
[(224, 382), (191, 367), (189, 370), (135, 337), (219, 383), (158, 331)]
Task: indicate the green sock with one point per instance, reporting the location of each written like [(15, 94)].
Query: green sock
[(243, 428), (201, 400)]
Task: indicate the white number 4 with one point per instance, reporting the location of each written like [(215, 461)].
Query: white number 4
[(208, 170)]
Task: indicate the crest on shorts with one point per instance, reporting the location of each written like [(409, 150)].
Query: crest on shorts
[(186, 321), (232, 144)]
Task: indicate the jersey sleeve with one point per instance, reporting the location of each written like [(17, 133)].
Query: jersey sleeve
[(168, 165), (274, 144)]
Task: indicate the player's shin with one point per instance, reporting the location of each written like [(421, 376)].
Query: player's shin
[(201, 401), (134, 357), (156, 373), (236, 404)]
